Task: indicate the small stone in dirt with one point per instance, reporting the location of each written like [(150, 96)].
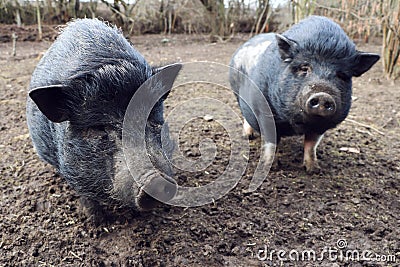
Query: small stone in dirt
[(356, 200), (286, 202), (350, 150), (35, 252), (169, 239), (207, 250), (20, 137), (235, 250), (208, 117), (349, 226)]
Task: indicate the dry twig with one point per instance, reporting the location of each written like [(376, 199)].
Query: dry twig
[(365, 126)]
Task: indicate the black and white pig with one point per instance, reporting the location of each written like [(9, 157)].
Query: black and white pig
[(79, 94), (305, 74)]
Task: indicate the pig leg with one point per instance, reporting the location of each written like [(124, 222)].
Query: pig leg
[(248, 131), (311, 142), (93, 210)]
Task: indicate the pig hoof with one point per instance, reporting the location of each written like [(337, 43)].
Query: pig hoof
[(275, 165), (163, 189), (248, 131), (249, 135), (93, 210), (312, 168)]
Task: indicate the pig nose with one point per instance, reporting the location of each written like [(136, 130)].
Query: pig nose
[(321, 104), (163, 189)]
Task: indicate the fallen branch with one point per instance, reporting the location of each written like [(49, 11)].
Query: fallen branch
[(76, 255), (365, 126), (387, 122), (14, 45), (344, 11), (364, 132)]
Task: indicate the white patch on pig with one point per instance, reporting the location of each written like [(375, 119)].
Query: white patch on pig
[(247, 129), (247, 56)]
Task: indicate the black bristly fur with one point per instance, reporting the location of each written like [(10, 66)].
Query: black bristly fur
[(313, 56), (79, 94)]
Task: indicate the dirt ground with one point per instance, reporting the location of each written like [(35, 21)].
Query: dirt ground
[(352, 206)]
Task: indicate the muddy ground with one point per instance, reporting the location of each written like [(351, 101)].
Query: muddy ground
[(351, 206)]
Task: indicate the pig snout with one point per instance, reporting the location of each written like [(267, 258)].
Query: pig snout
[(320, 104), (164, 189), (158, 189)]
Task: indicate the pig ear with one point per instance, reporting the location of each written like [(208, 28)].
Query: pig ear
[(167, 75), (51, 101), (176, 67), (286, 46), (364, 61)]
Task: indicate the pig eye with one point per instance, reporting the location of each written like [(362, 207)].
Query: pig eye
[(304, 69)]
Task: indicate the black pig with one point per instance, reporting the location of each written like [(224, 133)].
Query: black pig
[(305, 74), (79, 93)]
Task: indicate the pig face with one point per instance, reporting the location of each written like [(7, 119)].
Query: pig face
[(316, 82), (84, 115)]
